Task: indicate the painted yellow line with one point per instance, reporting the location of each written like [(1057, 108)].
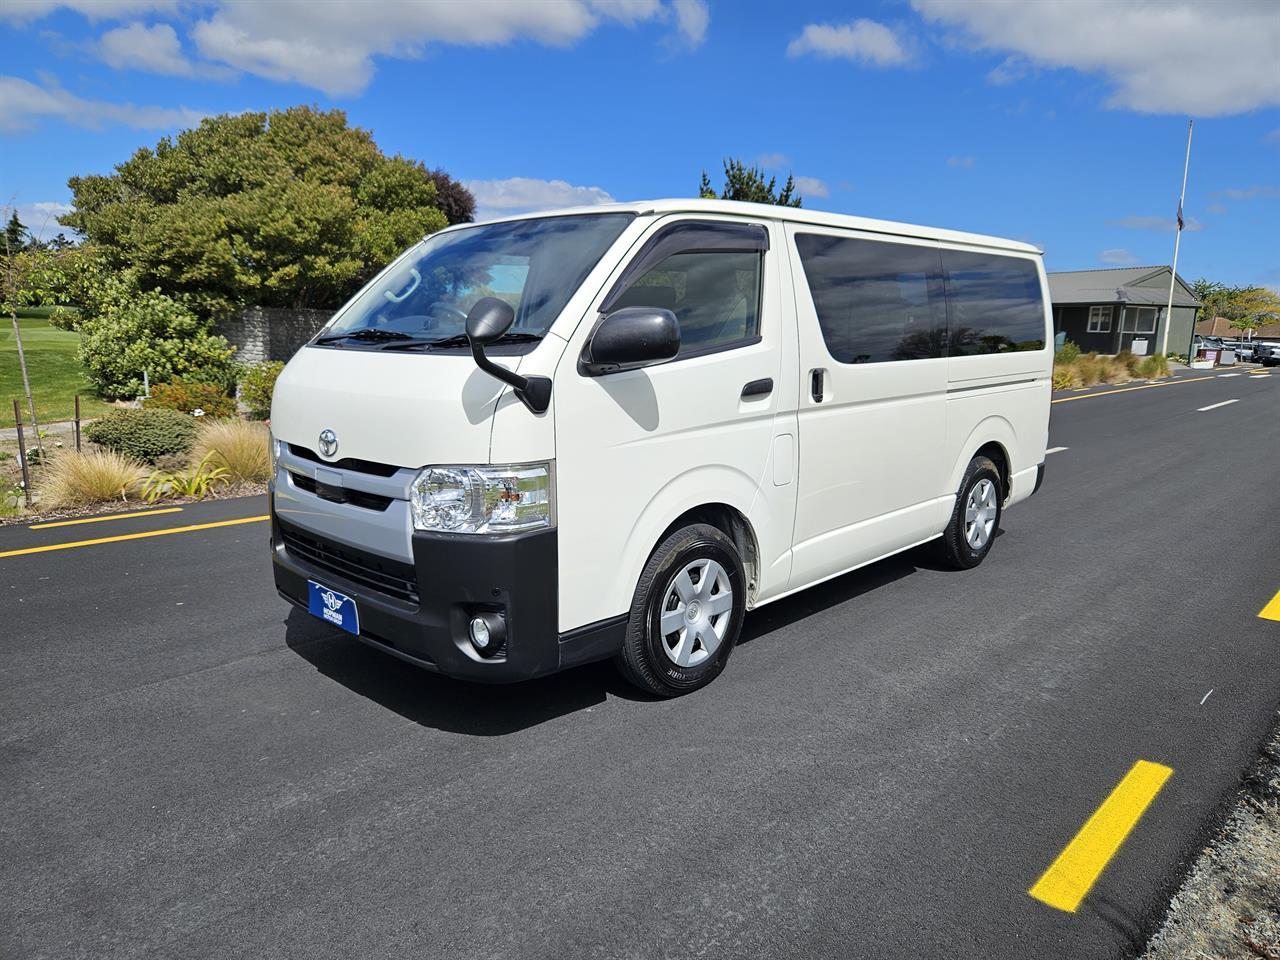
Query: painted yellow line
[(110, 516), (1145, 386), (1272, 610), (132, 536), (1069, 877)]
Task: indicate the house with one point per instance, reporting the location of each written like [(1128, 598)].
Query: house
[(1105, 311), (1221, 327)]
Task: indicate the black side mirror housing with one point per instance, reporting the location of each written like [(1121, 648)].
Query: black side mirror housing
[(629, 339), (487, 320)]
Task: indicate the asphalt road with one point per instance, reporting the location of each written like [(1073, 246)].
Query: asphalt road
[(190, 769)]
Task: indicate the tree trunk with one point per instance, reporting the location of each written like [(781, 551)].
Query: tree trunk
[(26, 383)]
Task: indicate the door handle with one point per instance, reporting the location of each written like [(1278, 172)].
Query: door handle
[(758, 388), (815, 385)]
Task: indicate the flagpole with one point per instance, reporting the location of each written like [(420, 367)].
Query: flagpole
[(1177, 240)]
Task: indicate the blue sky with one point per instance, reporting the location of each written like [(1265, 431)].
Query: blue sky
[(1058, 123)]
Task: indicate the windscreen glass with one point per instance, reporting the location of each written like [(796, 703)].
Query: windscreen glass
[(534, 265)]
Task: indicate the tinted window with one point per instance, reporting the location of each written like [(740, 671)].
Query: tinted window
[(875, 301), (714, 294), (994, 304)]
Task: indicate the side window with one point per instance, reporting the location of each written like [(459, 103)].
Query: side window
[(994, 304), (875, 301), (707, 273)]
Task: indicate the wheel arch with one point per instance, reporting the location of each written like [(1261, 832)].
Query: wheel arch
[(993, 438)]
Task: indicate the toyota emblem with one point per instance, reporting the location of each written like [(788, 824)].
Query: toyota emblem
[(328, 443)]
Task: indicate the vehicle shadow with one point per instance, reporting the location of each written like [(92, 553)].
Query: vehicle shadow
[(484, 710)]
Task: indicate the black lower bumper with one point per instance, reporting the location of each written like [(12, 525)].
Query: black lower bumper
[(421, 612)]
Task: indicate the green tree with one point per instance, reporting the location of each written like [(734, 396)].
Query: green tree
[(290, 208), (16, 235), (742, 182), (1246, 308)]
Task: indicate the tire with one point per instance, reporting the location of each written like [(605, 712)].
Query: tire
[(696, 651), (961, 548)]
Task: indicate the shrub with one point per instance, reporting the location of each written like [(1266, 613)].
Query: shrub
[(1065, 377), (185, 397), (1067, 353), (1154, 366), (78, 478), (145, 435), (257, 386), (1130, 362), (195, 481), (238, 447), (133, 331), (1090, 369)]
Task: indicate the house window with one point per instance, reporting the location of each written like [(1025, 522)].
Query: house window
[(1099, 320), (1140, 320)]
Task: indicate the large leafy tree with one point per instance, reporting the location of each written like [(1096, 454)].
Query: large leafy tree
[(1246, 308), (742, 182), (290, 208)]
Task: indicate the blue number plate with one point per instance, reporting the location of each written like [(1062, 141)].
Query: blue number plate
[(333, 607)]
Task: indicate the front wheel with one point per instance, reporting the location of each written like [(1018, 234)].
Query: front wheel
[(972, 529), (686, 613)]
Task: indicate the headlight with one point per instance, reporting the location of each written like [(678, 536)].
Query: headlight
[(273, 445), (501, 499)]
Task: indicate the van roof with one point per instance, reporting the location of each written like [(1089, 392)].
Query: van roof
[(789, 214)]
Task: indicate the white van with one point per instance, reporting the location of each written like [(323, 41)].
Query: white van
[(612, 431)]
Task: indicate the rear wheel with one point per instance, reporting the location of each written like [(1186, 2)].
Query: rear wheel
[(976, 517), (686, 613)]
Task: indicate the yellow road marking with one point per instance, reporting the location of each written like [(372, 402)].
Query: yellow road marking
[(1145, 386), (1081, 862), (110, 516), (132, 536), (1272, 610)]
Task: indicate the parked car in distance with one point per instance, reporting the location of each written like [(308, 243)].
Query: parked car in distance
[(1245, 349), (1268, 354), (610, 432)]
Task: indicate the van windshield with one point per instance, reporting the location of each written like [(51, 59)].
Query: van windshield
[(534, 265)]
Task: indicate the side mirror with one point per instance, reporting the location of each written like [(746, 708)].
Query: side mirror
[(631, 338), (488, 319)]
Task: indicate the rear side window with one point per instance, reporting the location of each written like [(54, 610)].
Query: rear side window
[(994, 304), (875, 301)]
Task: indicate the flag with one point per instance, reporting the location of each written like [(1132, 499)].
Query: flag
[(1179, 216)]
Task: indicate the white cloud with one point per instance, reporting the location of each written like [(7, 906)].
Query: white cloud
[(1117, 256), (23, 102), (1163, 224), (812, 187), (154, 49), (692, 20), (496, 198), (332, 46), (773, 161), (1152, 51), (862, 41), (21, 11), (40, 218), (964, 163), (1249, 193), (1217, 208)]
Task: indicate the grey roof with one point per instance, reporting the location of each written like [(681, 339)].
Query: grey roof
[(1119, 285)]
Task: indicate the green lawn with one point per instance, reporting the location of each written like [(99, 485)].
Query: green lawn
[(56, 375)]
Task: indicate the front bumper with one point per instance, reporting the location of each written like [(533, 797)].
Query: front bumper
[(420, 612)]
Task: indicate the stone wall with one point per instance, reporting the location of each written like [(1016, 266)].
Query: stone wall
[(270, 333)]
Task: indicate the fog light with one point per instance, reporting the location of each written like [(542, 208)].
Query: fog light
[(488, 633)]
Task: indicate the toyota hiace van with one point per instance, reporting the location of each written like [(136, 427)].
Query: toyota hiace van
[(610, 432)]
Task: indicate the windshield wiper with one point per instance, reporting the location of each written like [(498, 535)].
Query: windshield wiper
[(460, 340), (368, 333)]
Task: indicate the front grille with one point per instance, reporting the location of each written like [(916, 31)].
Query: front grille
[(358, 498), (394, 578), (347, 463)]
